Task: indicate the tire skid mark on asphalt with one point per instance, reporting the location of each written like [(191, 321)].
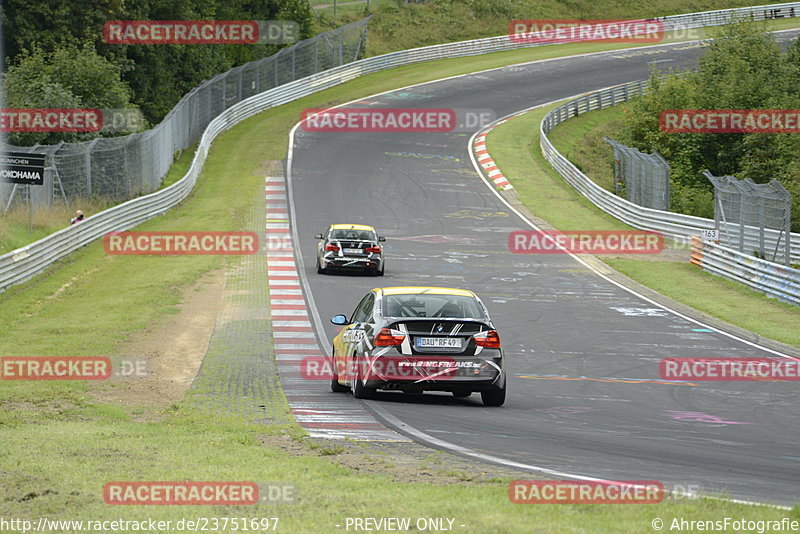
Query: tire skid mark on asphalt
[(320, 412)]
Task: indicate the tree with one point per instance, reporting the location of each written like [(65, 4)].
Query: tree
[(68, 77), (743, 68), (159, 75)]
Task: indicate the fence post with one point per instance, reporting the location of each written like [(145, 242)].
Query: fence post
[(225, 93), (761, 221), (787, 249), (341, 47), (88, 165), (316, 56), (127, 172), (741, 223)]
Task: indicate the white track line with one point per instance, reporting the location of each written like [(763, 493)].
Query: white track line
[(397, 423)]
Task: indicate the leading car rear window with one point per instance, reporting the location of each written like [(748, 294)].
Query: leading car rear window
[(358, 235), (456, 306)]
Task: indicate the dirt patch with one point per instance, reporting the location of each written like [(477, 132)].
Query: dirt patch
[(669, 254), (404, 462), (270, 167), (170, 352), (413, 462)]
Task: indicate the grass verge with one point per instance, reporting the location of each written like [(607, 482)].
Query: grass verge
[(515, 148), (60, 447), (399, 25)]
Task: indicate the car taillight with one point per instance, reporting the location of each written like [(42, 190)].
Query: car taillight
[(489, 339), (332, 248), (387, 337), (375, 250)]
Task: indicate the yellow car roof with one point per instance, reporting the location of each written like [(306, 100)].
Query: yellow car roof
[(352, 227), (415, 290)]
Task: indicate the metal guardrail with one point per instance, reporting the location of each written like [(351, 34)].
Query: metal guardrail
[(677, 225), (20, 265), (773, 279)]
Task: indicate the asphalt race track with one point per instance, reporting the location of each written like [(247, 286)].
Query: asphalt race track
[(582, 353)]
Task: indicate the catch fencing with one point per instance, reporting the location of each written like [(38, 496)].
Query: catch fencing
[(744, 210), (641, 178), (676, 225), (22, 264), (721, 260)]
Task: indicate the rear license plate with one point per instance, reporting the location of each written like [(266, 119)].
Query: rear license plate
[(438, 343), (353, 251)]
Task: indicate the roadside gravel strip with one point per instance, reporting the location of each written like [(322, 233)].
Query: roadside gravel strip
[(238, 375)]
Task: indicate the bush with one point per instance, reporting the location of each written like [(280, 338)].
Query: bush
[(743, 68)]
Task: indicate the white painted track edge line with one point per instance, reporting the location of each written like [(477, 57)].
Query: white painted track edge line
[(406, 428), (580, 260), (419, 436)]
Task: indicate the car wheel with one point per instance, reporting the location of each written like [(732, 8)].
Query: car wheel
[(359, 391), (462, 394), (320, 270), (380, 273), (494, 397), (336, 387)]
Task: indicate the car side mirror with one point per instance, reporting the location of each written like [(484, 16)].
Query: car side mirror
[(318, 236), (381, 238), (340, 319)]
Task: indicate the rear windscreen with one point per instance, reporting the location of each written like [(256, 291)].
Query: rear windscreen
[(356, 235), (455, 306)]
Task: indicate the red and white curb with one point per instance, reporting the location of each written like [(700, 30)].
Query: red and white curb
[(322, 413), (485, 160)]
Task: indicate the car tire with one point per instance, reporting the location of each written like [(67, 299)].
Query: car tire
[(336, 387), (380, 273), (359, 391), (320, 270), (462, 394), (494, 397)]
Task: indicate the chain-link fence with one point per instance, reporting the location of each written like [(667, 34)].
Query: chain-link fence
[(743, 209), (120, 168), (640, 178)]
